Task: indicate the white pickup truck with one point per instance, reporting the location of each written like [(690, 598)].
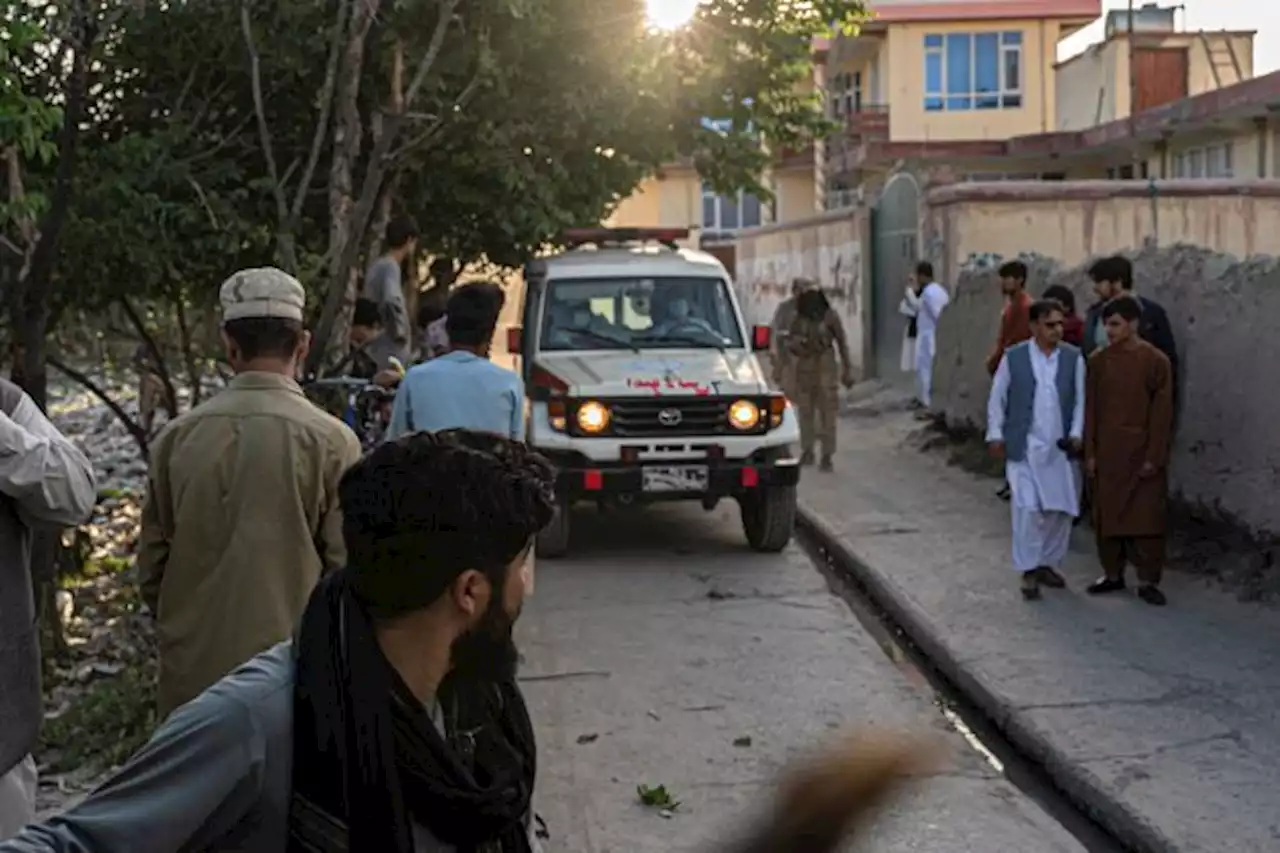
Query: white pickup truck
[(644, 385)]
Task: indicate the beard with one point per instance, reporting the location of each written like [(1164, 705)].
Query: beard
[(487, 652)]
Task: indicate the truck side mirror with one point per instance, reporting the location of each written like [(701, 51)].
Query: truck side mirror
[(761, 338), (515, 339)]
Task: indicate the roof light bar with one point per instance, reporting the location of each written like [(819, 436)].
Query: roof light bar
[(618, 236)]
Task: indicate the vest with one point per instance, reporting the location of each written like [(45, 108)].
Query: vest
[(1022, 395)]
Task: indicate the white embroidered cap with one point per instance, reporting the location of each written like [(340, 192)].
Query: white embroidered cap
[(262, 292)]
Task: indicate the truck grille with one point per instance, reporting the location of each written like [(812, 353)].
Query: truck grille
[(659, 416)]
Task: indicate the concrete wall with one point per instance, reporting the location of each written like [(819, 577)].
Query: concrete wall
[(1086, 86), (1223, 303), (828, 249), (1072, 221)]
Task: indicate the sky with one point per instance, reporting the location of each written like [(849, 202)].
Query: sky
[(1260, 15)]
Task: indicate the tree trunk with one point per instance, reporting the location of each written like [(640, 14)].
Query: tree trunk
[(189, 359), (347, 132), (381, 165), (33, 291)]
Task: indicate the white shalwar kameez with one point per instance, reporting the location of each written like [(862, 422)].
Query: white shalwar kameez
[(1046, 485), (933, 299)]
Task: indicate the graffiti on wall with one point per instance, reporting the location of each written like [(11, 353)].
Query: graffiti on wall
[(764, 278)]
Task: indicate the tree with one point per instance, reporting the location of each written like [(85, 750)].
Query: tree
[(497, 123)]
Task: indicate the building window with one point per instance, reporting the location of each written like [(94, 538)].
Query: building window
[(972, 71), (1217, 161), (845, 94), (725, 214), (1211, 161)]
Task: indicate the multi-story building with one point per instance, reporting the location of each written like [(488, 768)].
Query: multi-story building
[(974, 91)]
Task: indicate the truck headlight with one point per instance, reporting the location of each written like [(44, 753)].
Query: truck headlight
[(744, 415), (593, 417)]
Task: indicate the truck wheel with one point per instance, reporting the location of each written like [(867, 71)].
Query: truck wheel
[(553, 541), (769, 518)]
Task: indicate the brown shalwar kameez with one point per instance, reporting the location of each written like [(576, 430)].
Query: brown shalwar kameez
[(1128, 422)]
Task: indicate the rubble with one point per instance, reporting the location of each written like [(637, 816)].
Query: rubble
[(98, 695)]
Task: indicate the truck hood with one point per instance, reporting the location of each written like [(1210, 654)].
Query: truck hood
[(669, 373)]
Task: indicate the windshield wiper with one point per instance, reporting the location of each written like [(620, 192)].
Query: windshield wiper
[(601, 336), (700, 343)]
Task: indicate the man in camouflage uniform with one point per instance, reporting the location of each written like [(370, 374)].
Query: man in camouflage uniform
[(816, 336), (783, 317)]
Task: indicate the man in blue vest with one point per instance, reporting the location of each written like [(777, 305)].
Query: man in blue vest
[(1035, 422)]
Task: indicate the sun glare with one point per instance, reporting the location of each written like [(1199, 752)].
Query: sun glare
[(670, 14)]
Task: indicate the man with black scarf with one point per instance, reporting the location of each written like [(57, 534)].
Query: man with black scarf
[(392, 722)]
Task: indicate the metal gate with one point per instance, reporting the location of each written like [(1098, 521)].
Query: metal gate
[(895, 242)]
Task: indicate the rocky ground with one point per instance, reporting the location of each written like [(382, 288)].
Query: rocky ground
[(99, 690)]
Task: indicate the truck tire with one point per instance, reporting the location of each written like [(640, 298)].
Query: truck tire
[(553, 540), (769, 518)]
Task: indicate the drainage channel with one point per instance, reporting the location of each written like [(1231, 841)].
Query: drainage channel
[(978, 731)]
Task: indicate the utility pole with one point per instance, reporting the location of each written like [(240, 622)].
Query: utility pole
[(1133, 101)]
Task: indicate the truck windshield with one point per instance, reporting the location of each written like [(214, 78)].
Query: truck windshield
[(630, 313)]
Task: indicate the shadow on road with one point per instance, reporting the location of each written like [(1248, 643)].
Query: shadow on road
[(679, 529)]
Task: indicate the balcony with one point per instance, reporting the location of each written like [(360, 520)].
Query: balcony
[(794, 158), (868, 123), (843, 151)]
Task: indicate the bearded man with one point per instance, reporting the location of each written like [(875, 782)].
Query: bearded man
[(392, 722)]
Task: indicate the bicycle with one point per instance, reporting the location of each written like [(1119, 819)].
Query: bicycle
[(364, 406)]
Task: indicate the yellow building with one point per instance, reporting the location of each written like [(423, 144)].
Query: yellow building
[(964, 90), (983, 99), (952, 69)]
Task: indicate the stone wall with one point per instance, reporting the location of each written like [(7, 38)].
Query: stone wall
[(828, 249), (1224, 312), (1072, 221), (1206, 250)]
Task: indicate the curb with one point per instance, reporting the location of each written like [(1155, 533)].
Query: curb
[(1129, 827)]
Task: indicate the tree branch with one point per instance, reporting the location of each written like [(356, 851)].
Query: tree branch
[(149, 341), (447, 8), (284, 239), (138, 434), (327, 89), (437, 125)]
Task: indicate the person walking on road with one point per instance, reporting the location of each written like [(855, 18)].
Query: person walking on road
[(815, 338), (933, 300), (463, 389), (384, 283), (45, 482), (1128, 433), (241, 517), (1015, 323), (783, 316), (1015, 320), (1035, 422), (909, 307), (392, 722)]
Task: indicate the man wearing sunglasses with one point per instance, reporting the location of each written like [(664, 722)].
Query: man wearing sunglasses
[(1035, 422)]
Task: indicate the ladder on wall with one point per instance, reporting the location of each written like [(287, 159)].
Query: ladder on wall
[(1222, 56)]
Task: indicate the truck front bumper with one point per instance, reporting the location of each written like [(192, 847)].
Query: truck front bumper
[(658, 480)]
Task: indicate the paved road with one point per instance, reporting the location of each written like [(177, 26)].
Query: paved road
[(662, 640)]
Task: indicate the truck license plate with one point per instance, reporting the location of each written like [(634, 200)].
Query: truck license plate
[(676, 478)]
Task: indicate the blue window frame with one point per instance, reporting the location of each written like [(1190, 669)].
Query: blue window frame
[(972, 71)]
